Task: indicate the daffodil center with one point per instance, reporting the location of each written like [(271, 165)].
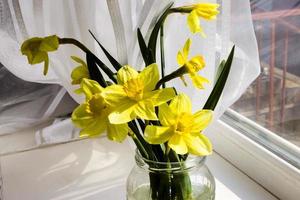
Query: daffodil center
[(193, 66), (134, 89), (184, 122), (96, 104)]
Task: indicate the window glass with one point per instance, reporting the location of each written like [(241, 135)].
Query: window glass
[(273, 100)]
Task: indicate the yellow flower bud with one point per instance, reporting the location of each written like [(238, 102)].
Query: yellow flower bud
[(80, 72), (36, 49)]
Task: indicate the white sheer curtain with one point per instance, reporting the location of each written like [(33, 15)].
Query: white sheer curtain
[(114, 23)]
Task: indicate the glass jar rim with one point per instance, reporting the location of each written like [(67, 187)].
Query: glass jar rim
[(191, 162)]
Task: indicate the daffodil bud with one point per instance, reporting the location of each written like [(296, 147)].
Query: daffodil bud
[(80, 72), (36, 49)]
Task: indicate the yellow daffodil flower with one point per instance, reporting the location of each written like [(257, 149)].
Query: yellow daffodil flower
[(180, 128), (80, 71), (192, 66), (92, 115), (207, 11), (36, 49), (134, 96)]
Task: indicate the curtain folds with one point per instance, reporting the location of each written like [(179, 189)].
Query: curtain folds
[(114, 22)]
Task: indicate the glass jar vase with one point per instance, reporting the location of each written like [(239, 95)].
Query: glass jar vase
[(185, 180)]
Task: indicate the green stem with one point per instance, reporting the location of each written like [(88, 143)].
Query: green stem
[(167, 151), (107, 71), (146, 146), (162, 54), (154, 34), (180, 10), (170, 185), (142, 125), (156, 149), (140, 147), (74, 42), (179, 72)]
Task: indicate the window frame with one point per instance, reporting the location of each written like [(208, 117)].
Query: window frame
[(273, 173)]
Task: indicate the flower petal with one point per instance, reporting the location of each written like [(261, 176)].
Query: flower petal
[(177, 143), (196, 63), (166, 116), (198, 80), (184, 81), (181, 104), (123, 113), (150, 77), (186, 48), (97, 127), (145, 110), (49, 43), (38, 57), (207, 11), (117, 132), (78, 74), (198, 144), (157, 134), (90, 87), (158, 97), (78, 60), (30, 44), (81, 117), (80, 71), (125, 74), (202, 119), (180, 59), (46, 65), (115, 95), (193, 22)]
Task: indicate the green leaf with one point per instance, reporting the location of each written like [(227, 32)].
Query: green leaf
[(154, 34), (94, 71), (105, 69), (143, 47), (214, 96), (111, 59), (220, 69)]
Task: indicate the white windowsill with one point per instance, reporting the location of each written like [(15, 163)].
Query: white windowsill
[(263, 166), (97, 169)]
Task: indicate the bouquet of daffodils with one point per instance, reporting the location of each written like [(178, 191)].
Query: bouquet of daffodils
[(138, 104)]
